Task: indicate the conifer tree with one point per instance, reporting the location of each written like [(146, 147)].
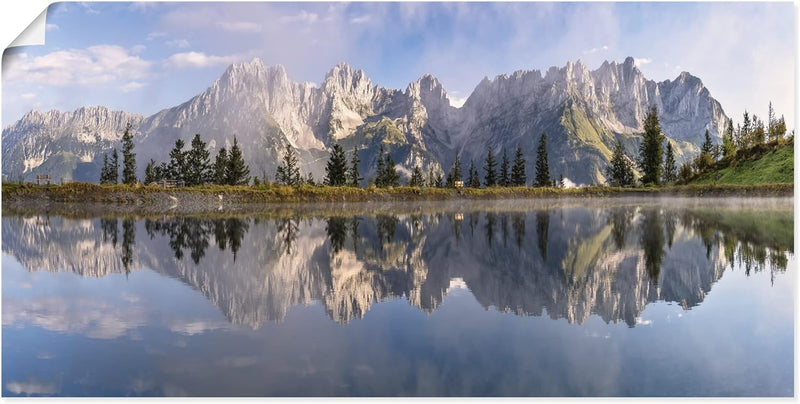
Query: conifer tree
[(474, 180), (542, 167), (198, 163), (619, 171), (220, 166), (704, 160), (391, 176), (490, 169), (505, 179), (310, 179), (353, 177), (771, 123), (380, 170), (670, 169), (177, 161), (518, 177), (288, 172), (728, 146), (128, 157), (336, 169), (149, 172), (455, 172), (439, 181), (113, 172), (237, 172), (707, 145), (417, 179), (651, 152), (104, 171)]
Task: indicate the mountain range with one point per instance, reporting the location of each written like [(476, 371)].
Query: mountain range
[(584, 112)]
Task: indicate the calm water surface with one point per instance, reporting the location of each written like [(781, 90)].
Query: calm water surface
[(582, 299)]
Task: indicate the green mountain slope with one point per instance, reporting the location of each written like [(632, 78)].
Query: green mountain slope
[(775, 165)]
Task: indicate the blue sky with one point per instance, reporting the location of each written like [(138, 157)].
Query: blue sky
[(143, 57)]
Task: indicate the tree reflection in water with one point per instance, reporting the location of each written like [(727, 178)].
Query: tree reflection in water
[(611, 267)]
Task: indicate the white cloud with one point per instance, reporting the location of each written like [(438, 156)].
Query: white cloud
[(457, 102), (154, 35), (303, 16), (178, 43), (137, 49), (240, 26), (91, 66), (132, 86), (595, 50), (641, 61), (27, 96), (142, 6), (88, 8), (197, 59), (32, 387), (360, 19), (51, 27)]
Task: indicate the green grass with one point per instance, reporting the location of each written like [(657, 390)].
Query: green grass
[(84, 192), (759, 166)]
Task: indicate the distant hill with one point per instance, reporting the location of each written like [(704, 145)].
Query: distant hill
[(764, 164)]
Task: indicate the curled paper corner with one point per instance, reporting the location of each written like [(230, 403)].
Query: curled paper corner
[(34, 33)]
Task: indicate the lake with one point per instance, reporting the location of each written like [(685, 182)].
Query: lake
[(561, 298)]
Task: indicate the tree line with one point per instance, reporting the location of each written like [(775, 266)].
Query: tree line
[(341, 172), (656, 161)]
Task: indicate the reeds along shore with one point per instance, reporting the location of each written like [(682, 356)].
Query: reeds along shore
[(124, 194)]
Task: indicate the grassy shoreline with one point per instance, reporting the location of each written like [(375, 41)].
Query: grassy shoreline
[(83, 192)]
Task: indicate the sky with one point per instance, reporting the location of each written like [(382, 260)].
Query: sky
[(144, 57)]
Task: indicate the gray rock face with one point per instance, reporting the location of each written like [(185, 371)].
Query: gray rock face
[(583, 112)]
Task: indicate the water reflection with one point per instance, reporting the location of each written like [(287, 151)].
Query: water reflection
[(609, 262)]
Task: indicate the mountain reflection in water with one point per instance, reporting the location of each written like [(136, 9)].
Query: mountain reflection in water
[(568, 262)]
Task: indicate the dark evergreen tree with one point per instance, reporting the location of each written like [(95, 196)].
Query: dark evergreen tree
[(707, 145), (542, 167), (336, 169), (177, 161), (128, 157), (392, 177), (505, 177), (518, 177), (288, 172), (104, 172), (353, 177), (380, 170), (455, 172), (705, 159), (198, 163), (310, 179), (417, 178), (150, 172), (220, 166), (670, 168), (237, 172), (490, 169), (113, 172), (439, 181), (651, 151), (474, 180), (619, 172)]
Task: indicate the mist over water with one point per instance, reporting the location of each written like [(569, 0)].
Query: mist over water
[(571, 298)]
